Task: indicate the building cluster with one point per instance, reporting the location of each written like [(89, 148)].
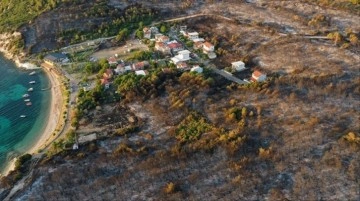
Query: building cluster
[(167, 46), (121, 67)]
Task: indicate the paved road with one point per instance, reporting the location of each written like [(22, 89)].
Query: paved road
[(226, 75), (193, 16)]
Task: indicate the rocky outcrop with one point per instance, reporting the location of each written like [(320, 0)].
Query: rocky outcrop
[(9, 48)]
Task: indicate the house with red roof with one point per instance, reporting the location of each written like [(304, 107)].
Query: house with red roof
[(175, 46), (208, 47), (258, 76), (112, 61), (140, 65), (108, 74), (105, 82), (182, 66), (162, 47)]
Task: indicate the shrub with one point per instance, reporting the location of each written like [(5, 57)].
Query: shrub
[(351, 137), (22, 160), (169, 188), (192, 127)]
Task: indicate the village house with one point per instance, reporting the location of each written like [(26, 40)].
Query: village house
[(175, 46), (183, 55), (157, 36), (198, 40), (112, 61), (208, 47), (258, 76), (108, 74), (119, 70), (105, 83), (238, 66), (192, 35), (154, 30), (162, 47), (198, 45), (54, 58), (163, 39), (197, 69), (182, 66), (141, 72), (147, 32), (140, 65)]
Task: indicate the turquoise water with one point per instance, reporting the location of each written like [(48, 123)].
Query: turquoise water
[(18, 134)]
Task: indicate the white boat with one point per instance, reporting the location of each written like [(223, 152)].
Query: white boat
[(32, 82), (32, 73), (31, 89), (27, 100), (22, 116), (28, 103), (26, 95)]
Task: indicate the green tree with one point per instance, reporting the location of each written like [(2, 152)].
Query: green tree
[(163, 29), (139, 34)]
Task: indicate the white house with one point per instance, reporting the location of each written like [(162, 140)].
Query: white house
[(193, 35), (141, 72), (182, 56), (198, 40), (197, 69), (258, 76), (238, 66)]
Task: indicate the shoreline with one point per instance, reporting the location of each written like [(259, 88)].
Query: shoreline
[(54, 118)]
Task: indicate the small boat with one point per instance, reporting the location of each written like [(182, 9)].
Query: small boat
[(26, 95), (32, 73), (27, 100), (28, 103), (32, 82), (31, 89), (22, 116)]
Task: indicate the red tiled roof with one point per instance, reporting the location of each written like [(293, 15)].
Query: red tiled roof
[(160, 44), (208, 45), (257, 73), (174, 45), (112, 60), (198, 44), (109, 71), (104, 81), (182, 65)]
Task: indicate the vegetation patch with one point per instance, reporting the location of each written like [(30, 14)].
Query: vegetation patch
[(192, 127)]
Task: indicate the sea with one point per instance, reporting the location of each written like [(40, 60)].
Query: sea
[(18, 134)]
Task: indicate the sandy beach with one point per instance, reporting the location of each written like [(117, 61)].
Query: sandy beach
[(56, 106)]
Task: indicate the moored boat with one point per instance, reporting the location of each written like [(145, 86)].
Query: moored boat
[(22, 116), (32, 82), (32, 73), (27, 100), (31, 89), (28, 103), (26, 95)]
